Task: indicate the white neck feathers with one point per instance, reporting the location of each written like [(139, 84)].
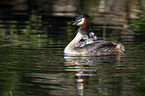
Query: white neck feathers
[(69, 49)]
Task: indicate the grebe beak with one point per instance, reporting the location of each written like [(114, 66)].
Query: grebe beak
[(74, 23)]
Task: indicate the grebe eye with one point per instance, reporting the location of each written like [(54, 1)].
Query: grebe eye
[(79, 20)]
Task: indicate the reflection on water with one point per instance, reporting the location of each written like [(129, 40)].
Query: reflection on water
[(33, 34), (91, 73)]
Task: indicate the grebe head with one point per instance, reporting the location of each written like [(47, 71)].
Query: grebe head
[(91, 34), (80, 20), (85, 37)]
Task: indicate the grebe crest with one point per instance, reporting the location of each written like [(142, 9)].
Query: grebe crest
[(80, 20)]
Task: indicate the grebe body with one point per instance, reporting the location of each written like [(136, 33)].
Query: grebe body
[(91, 46)]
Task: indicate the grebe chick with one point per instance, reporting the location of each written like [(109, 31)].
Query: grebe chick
[(86, 40), (83, 41), (99, 47), (92, 38)]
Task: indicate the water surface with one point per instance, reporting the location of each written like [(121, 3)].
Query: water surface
[(33, 37)]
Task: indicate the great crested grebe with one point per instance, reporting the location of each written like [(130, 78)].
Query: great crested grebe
[(94, 47)]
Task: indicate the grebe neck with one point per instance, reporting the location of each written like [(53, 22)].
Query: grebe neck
[(70, 48), (85, 27)]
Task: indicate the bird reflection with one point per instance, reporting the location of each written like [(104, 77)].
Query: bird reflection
[(85, 67)]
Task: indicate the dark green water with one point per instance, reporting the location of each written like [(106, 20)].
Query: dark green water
[(33, 37)]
